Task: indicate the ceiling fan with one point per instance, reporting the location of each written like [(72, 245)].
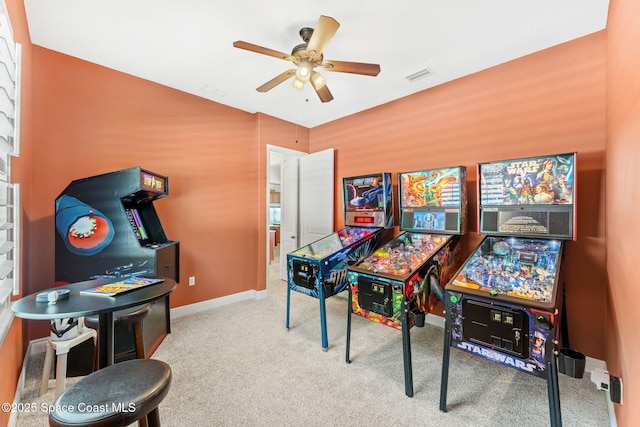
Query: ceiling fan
[(307, 56)]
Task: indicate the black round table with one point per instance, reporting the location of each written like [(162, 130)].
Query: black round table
[(78, 305)]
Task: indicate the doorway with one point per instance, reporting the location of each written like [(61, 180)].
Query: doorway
[(278, 192), (306, 203)]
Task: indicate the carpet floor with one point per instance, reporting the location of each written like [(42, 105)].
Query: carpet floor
[(237, 365)]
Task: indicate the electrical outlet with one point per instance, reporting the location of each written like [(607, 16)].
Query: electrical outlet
[(615, 389), (192, 280)]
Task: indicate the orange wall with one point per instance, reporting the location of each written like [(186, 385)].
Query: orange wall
[(623, 202), (549, 102), (93, 120), (11, 355)]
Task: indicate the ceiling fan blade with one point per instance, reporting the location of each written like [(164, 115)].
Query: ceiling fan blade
[(276, 81), (324, 94), (263, 50), (320, 86), (322, 35), (352, 67)]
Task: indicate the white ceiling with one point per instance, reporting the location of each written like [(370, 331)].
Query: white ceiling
[(187, 44)]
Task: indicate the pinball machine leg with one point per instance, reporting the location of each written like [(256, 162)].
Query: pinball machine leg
[(406, 350), (323, 318), (446, 356), (553, 390), (348, 346), (288, 306)]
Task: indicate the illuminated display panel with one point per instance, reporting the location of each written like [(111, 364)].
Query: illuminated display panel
[(153, 183), (435, 187), (136, 223), (364, 193), (364, 219), (515, 268), (433, 200), (528, 197), (545, 180)]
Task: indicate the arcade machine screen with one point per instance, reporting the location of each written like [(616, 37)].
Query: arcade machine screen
[(503, 304), (406, 275), (319, 269), (367, 201), (137, 226), (430, 201)]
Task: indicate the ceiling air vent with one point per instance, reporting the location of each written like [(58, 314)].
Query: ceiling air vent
[(421, 74), (214, 91)]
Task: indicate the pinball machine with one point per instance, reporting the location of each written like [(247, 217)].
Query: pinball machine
[(399, 283), (319, 269), (504, 304), (107, 227)]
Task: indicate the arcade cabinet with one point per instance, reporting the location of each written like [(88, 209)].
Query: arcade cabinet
[(319, 269), (402, 280), (504, 303), (107, 227)]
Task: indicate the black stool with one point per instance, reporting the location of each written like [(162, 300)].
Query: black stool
[(115, 396), (130, 316)]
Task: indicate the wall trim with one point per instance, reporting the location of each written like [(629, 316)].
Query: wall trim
[(38, 345), (218, 302)]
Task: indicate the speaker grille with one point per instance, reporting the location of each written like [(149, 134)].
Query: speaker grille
[(489, 222), (560, 223), (451, 222)]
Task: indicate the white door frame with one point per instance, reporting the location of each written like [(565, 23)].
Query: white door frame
[(286, 152)]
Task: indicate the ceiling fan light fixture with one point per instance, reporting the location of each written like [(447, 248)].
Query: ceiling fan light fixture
[(318, 81), (298, 85), (307, 56), (303, 73)]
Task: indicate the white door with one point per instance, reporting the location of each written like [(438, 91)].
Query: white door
[(288, 211), (306, 201), (316, 196)]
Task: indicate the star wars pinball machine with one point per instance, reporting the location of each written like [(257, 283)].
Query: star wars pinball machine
[(401, 281), (504, 304), (319, 269)]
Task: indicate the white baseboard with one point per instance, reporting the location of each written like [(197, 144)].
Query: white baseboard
[(34, 347), (37, 346), (434, 320), (591, 363), (218, 302)]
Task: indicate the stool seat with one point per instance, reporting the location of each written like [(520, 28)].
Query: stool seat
[(125, 318), (117, 395)]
